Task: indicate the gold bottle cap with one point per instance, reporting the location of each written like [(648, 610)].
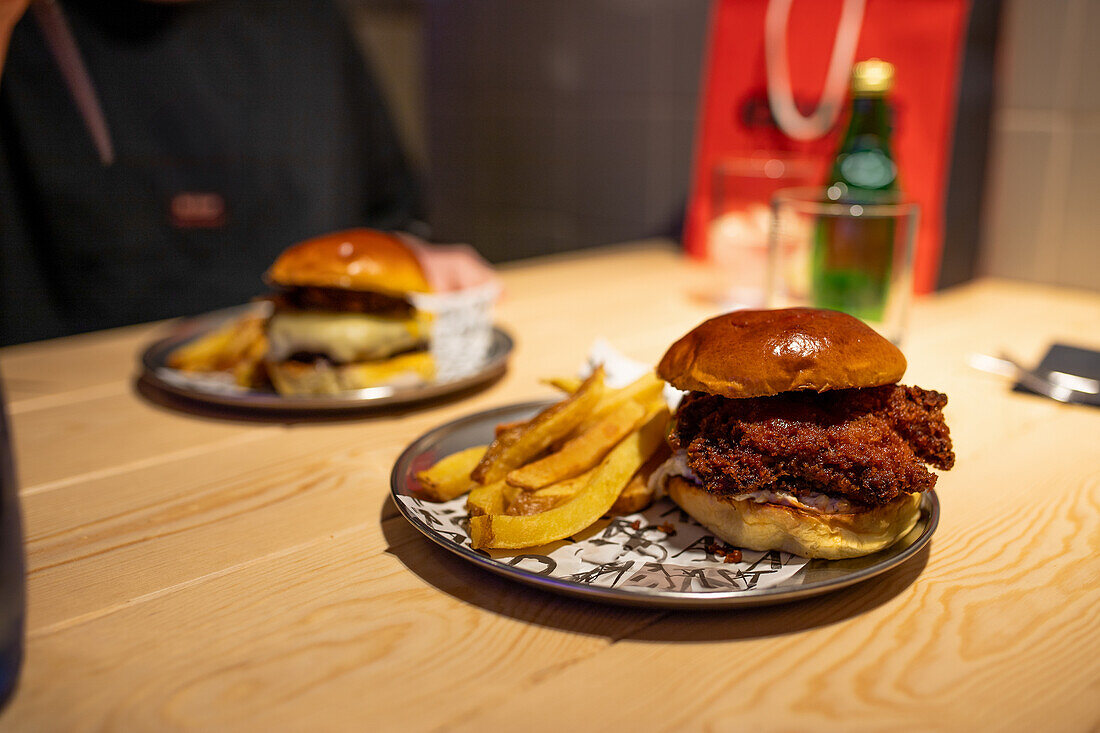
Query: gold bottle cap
[(873, 76)]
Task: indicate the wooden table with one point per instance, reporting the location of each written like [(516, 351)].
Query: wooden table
[(195, 573)]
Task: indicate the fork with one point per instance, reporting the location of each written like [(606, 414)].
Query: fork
[(1056, 385)]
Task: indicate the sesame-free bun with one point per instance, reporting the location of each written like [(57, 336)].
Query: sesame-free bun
[(758, 353), (759, 526), (355, 259)]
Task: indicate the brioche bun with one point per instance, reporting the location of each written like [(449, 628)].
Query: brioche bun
[(756, 526), (295, 378), (355, 259), (758, 353)]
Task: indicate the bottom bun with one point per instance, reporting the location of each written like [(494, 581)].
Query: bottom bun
[(295, 378), (756, 526)]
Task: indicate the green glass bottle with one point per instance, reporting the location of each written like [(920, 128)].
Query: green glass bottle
[(853, 255)]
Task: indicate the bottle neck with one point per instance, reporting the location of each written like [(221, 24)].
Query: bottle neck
[(870, 116), (864, 163)]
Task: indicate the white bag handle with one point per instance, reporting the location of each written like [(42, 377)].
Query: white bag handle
[(781, 98)]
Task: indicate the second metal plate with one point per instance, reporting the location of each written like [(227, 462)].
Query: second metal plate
[(155, 358)]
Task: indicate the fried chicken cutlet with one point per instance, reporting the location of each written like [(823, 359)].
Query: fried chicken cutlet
[(868, 445)]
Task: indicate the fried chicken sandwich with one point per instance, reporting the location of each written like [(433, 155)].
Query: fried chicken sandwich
[(796, 436), (343, 318)]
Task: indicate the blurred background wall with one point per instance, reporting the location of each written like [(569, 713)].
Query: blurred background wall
[(1043, 197), (558, 125), (543, 126), (546, 126)]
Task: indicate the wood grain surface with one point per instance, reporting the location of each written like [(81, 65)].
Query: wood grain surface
[(201, 570)]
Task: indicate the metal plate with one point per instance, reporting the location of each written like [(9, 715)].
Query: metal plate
[(817, 577), (209, 390)]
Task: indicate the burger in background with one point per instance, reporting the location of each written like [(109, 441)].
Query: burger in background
[(343, 319), (795, 435), (354, 310)]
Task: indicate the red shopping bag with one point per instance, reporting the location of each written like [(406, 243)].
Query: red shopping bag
[(922, 38)]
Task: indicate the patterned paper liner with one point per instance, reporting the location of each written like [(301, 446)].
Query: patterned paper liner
[(657, 550), (218, 383)]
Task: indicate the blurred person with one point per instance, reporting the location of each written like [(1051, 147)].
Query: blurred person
[(237, 128)]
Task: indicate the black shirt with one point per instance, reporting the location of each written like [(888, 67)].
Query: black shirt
[(261, 112)]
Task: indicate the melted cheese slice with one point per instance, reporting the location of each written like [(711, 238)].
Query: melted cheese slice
[(342, 337)]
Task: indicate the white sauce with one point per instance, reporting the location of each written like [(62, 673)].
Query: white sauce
[(677, 465)]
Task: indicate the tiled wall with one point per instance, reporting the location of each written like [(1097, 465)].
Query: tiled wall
[(1043, 196), (559, 125)]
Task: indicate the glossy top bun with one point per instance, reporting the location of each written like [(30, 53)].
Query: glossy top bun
[(757, 353), (356, 259)]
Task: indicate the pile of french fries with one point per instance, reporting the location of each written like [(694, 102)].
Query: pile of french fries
[(237, 348), (556, 474)]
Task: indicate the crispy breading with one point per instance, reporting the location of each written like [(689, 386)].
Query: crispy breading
[(866, 445)]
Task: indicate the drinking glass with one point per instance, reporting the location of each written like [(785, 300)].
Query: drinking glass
[(737, 235), (843, 255)]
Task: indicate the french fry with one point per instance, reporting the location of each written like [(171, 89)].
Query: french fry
[(637, 495), (203, 353), (519, 445), (249, 371), (450, 476), (580, 453), (511, 496), (524, 503), (488, 499), (644, 390), (590, 503), (569, 385), (506, 426), (505, 436), (224, 348)]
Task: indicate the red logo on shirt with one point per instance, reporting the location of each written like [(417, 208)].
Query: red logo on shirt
[(197, 210)]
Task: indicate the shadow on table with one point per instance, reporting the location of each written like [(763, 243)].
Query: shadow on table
[(475, 586), (787, 618), (173, 402)]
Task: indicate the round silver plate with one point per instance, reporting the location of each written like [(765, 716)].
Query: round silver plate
[(817, 577), (209, 390)]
